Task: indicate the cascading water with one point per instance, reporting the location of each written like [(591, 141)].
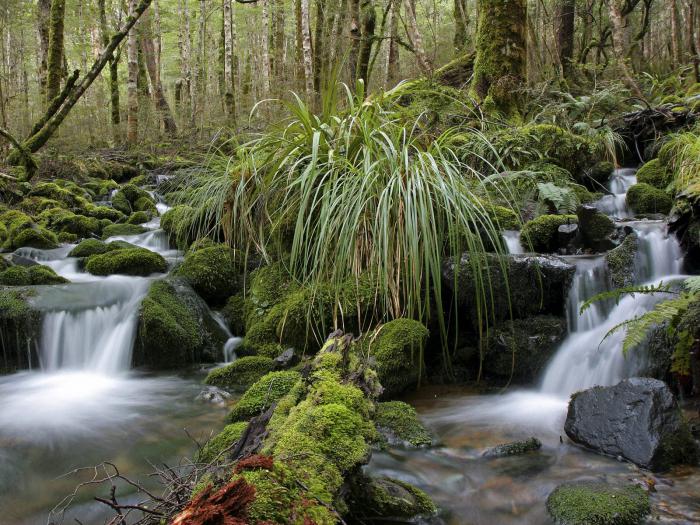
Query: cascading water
[(615, 204), (512, 240)]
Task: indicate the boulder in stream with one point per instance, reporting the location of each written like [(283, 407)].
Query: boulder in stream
[(598, 503), (594, 228), (637, 419), (516, 448)]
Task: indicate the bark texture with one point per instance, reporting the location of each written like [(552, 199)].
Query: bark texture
[(55, 55)]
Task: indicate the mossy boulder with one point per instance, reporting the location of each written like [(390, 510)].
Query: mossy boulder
[(234, 313), (20, 329), (397, 352), (53, 191), (131, 198), (175, 328), (514, 448), (590, 503), (520, 349), (398, 425), (89, 247), (30, 275), (213, 272), (122, 230), (62, 221), (595, 228), (645, 199), (542, 232), (132, 261), (103, 212), (601, 171), (176, 223), (655, 174), (387, 497), (139, 217), (21, 230), (240, 374), (263, 394), (620, 261), (217, 446)]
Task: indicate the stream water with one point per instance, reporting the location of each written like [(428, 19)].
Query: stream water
[(83, 405), (475, 490)]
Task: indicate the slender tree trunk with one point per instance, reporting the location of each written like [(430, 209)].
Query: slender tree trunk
[(157, 38), (501, 54), (319, 43), (392, 59), (55, 56), (266, 73), (299, 44), (307, 54), (43, 15), (201, 83), (620, 39), (565, 17), (278, 55), (461, 16), (132, 94), (675, 33), (185, 48), (149, 55), (416, 38), (355, 35), (113, 73), (228, 58), (368, 20)]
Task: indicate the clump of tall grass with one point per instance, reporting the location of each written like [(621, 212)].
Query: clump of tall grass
[(353, 193)]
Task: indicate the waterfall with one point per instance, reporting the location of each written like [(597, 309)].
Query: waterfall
[(615, 203), (512, 240)]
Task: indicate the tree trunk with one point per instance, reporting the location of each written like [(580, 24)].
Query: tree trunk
[(355, 34), (620, 40), (157, 40), (55, 55), (149, 54), (266, 73), (368, 21), (416, 38), (228, 59), (306, 46), (278, 55), (43, 15), (319, 43), (299, 44), (675, 33), (185, 48), (39, 139), (565, 17), (461, 17), (201, 83), (132, 95), (501, 54), (113, 73), (392, 59)]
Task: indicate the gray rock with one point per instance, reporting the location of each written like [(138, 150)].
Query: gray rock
[(515, 448), (538, 284), (286, 359), (595, 228), (566, 233), (637, 419), (213, 395)]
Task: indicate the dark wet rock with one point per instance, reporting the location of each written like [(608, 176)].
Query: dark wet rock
[(520, 349), (20, 329), (394, 500), (19, 260), (538, 284), (398, 425), (567, 233), (594, 228), (621, 261), (213, 395), (637, 419), (597, 503), (516, 448), (286, 359)]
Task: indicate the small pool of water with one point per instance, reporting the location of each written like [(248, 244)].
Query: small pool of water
[(54, 423), (472, 490)]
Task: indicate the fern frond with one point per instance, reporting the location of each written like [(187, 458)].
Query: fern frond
[(619, 293)]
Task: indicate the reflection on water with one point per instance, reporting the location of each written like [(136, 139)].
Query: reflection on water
[(472, 490)]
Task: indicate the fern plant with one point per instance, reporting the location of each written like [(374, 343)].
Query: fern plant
[(669, 312), (562, 199)]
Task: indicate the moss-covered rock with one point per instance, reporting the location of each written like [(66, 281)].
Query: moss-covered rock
[(655, 174), (601, 171), (218, 445), (542, 232), (388, 497), (234, 313), (263, 394), (518, 350), (133, 261), (176, 223), (621, 261), (20, 329), (15, 276), (21, 230), (40, 274), (398, 424), (514, 448), (121, 230), (89, 247), (594, 228), (397, 350), (598, 504), (131, 198), (213, 272), (240, 374), (645, 199), (103, 212), (62, 221), (139, 217), (51, 190)]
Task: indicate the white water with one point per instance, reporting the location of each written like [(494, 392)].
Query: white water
[(232, 341), (615, 204), (512, 239)]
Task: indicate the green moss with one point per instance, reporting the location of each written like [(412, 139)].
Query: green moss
[(505, 218), (89, 247), (645, 199), (35, 205), (598, 504), (234, 313), (176, 223), (515, 448), (655, 174), (677, 448), (621, 261), (15, 276), (35, 237), (13, 306), (388, 498), (595, 229), (54, 192), (40, 274), (215, 447), (60, 221), (213, 272), (327, 389), (134, 261), (131, 198), (601, 171), (104, 212), (262, 394), (240, 374), (397, 350), (541, 232), (121, 230), (168, 331), (146, 204), (67, 238), (139, 217), (398, 423)]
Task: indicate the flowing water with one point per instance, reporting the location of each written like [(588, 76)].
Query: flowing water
[(81, 404), (475, 490)]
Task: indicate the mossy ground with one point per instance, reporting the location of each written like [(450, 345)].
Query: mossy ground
[(241, 374), (598, 504), (399, 424)]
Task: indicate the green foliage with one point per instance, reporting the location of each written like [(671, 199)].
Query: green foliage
[(562, 199), (541, 232), (598, 504), (131, 261), (176, 223), (240, 374), (262, 394), (219, 444)]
